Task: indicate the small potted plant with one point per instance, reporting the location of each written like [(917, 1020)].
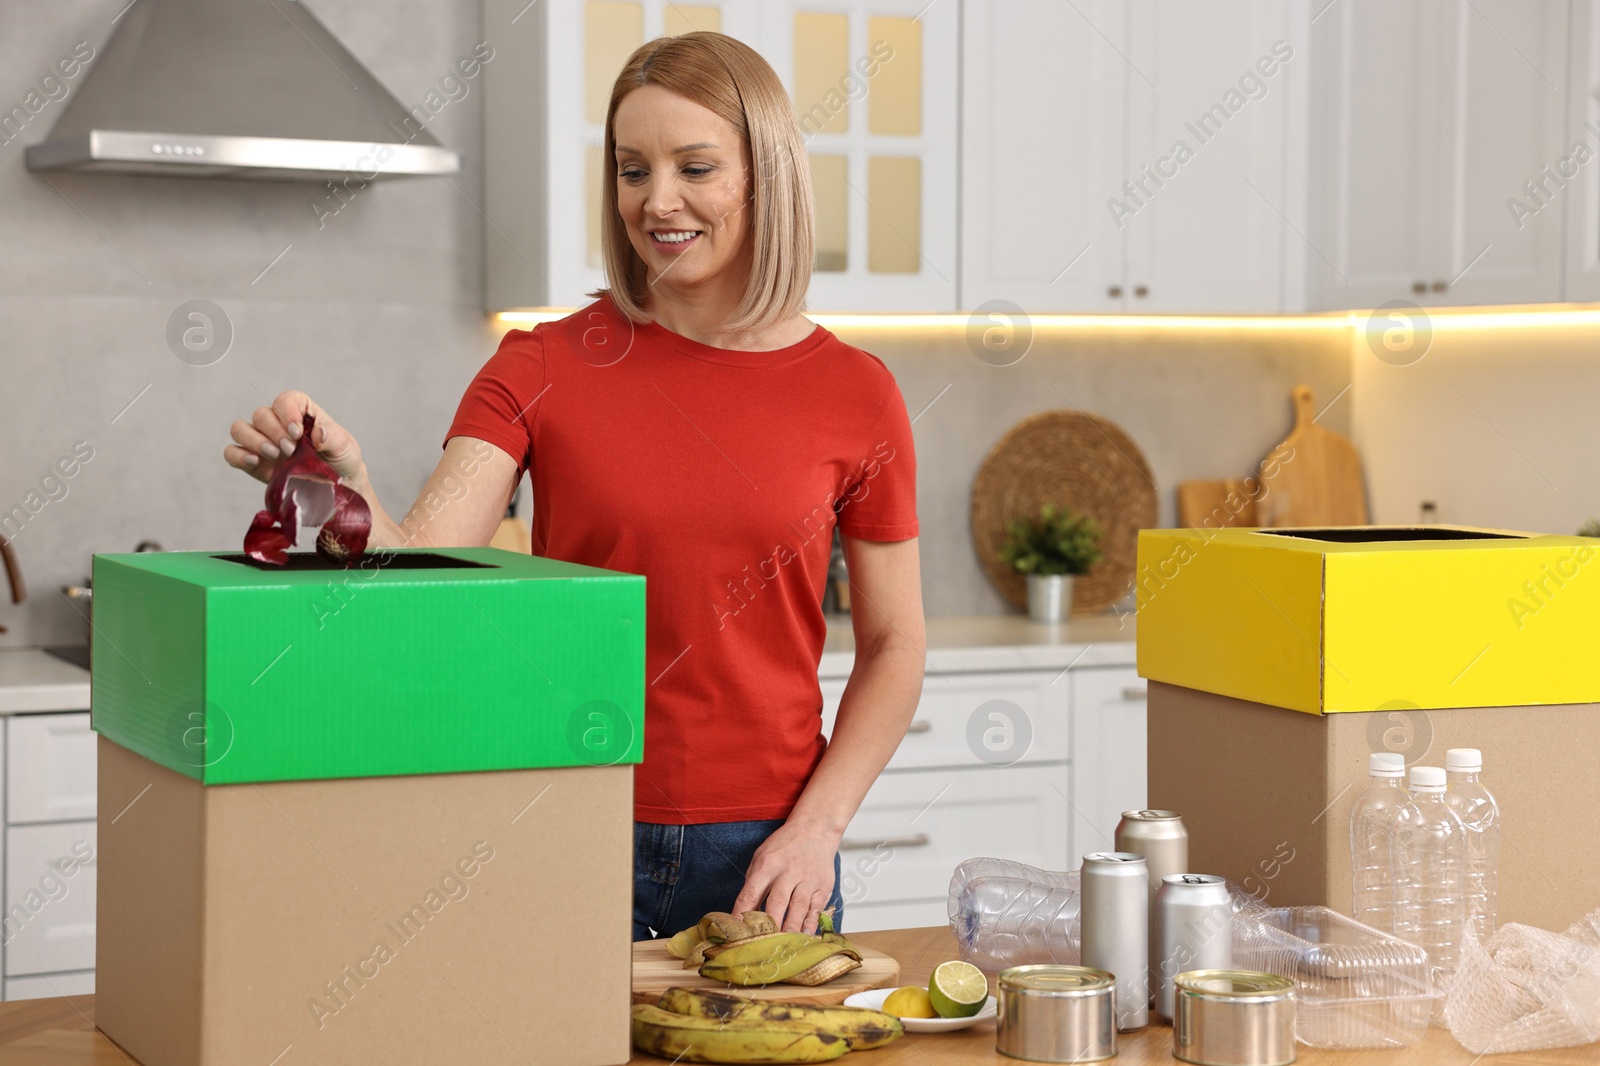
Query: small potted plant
[(1050, 550)]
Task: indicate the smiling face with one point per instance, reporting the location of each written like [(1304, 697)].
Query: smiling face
[(683, 191)]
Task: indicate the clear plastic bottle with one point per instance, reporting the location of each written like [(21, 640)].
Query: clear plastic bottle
[(1372, 822), (1430, 877), (1480, 814), (1005, 913)]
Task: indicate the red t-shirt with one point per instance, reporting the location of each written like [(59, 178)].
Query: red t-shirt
[(718, 475)]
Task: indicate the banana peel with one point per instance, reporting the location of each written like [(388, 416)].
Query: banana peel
[(862, 1029), (794, 958)]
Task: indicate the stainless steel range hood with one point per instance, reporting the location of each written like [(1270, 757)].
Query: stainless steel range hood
[(235, 89)]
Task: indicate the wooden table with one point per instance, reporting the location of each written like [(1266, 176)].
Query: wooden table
[(60, 1032)]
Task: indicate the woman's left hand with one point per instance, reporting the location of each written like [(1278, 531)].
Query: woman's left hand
[(793, 871)]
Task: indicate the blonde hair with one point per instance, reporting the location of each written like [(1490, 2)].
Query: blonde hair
[(730, 79)]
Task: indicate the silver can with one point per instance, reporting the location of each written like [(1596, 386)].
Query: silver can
[(1233, 1018), (1115, 916), (1194, 931), (1163, 840), (1053, 1013)]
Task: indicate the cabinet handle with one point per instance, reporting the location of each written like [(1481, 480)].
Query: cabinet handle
[(917, 840), (1115, 291), (919, 725), (1141, 290), (1419, 286), (1133, 692), (1439, 285)]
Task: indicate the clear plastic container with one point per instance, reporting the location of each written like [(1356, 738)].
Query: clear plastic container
[(1355, 986), (1006, 913)]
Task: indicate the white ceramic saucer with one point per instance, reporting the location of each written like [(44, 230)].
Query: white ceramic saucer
[(873, 1000)]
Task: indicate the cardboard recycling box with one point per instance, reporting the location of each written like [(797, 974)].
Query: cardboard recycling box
[(1405, 640), (1348, 619), (1266, 793), (382, 814)]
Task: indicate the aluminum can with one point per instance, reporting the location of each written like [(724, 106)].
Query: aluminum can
[(1233, 1018), (1194, 931), (1115, 916), (1050, 1013), (1160, 836)]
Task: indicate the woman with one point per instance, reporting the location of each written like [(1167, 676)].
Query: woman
[(692, 426)]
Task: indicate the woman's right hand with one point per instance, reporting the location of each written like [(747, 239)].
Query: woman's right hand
[(274, 432)]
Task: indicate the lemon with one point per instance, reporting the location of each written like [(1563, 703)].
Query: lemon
[(909, 1002), (957, 989)]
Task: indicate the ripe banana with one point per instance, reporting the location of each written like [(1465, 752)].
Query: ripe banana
[(862, 1029), (773, 957), (683, 1038)]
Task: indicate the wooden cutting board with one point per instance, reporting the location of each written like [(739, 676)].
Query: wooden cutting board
[(655, 970), (1218, 503), (1313, 478)]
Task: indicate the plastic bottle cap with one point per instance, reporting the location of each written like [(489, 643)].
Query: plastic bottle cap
[(1386, 764), (1463, 760), (1427, 778)]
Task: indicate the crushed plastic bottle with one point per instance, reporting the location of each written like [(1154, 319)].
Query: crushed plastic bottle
[(1006, 913)]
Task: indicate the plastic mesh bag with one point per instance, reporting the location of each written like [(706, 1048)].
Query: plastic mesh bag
[(1527, 988)]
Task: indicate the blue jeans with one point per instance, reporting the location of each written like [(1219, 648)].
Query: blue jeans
[(683, 872)]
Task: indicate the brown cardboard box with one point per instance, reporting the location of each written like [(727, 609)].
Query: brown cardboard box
[(1266, 792), (471, 917)]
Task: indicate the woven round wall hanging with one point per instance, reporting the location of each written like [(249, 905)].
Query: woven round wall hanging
[(1084, 462)]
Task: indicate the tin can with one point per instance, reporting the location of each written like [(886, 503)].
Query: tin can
[(1053, 1013), (1115, 916), (1233, 1018), (1194, 931), (1160, 836)]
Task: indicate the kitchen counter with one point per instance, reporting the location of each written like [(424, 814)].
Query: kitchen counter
[(60, 1032), (1002, 642), (32, 680)]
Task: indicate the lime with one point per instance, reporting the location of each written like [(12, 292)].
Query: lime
[(909, 1002), (957, 989)]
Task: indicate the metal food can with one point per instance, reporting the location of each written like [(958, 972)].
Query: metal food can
[(1233, 1018), (1115, 917), (1194, 931), (1163, 840), (1053, 1013)]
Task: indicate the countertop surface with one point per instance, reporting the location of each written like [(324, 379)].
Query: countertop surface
[(1002, 642), (60, 1032), (34, 680)]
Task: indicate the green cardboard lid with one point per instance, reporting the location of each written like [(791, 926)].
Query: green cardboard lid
[(415, 661)]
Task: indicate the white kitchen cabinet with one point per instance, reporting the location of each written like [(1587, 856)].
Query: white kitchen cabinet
[(900, 845), (1076, 194), (1043, 147), (49, 898), (1579, 167), (1109, 740), (47, 986), (47, 873), (1216, 98), (50, 775), (940, 801), (1429, 121), (883, 144), (1009, 717)]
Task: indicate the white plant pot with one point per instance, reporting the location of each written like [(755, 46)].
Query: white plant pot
[(1049, 597)]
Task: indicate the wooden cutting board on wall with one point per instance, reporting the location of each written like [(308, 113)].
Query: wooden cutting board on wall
[(1313, 476)]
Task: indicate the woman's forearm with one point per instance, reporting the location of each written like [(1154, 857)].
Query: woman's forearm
[(878, 704)]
